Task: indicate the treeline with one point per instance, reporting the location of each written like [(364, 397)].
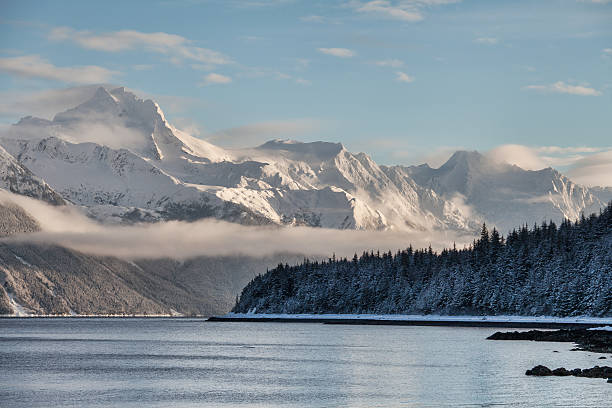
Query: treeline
[(563, 270)]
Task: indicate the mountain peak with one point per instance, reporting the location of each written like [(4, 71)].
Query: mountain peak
[(464, 157), (32, 121), (103, 96)]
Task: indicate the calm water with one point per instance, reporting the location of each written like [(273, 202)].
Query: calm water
[(192, 363)]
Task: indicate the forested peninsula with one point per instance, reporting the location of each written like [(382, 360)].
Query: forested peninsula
[(548, 269)]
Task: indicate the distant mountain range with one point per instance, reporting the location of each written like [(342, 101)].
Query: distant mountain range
[(118, 158)]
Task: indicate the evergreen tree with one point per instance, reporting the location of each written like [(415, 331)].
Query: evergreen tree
[(562, 271)]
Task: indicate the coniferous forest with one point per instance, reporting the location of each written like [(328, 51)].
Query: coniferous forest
[(548, 269)]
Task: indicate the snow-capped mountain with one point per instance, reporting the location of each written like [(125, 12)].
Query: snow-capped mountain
[(505, 195), (118, 157)]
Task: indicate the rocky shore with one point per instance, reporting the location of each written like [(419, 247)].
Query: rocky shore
[(597, 341), (595, 372)]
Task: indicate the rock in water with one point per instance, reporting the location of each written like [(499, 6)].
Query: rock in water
[(561, 372), (594, 372), (540, 371)]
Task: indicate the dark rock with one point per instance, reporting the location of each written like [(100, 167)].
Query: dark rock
[(561, 372), (540, 371), (594, 372), (610, 380), (598, 341), (597, 372), (602, 358)]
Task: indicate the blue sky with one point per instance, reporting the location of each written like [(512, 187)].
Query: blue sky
[(405, 81)]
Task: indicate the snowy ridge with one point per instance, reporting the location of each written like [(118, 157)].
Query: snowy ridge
[(118, 156), (504, 195), (16, 178)]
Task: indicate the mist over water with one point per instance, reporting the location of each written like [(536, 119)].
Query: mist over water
[(67, 226), (192, 363)]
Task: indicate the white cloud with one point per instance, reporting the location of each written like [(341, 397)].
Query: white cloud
[(67, 227), (403, 77), (188, 126), (43, 104), (177, 48), (393, 63), (523, 156), (34, 66), (593, 170), (258, 133), (562, 87), (386, 9), (403, 10), (214, 78), (95, 128), (486, 40), (585, 165), (302, 81), (338, 52)]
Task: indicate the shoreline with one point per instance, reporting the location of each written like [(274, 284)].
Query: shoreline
[(541, 322), (519, 322), (103, 316)]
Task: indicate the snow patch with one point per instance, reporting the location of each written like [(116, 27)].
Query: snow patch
[(19, 310)]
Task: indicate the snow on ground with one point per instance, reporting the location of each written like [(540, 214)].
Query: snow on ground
[(439, 318), (605, 328), (20, 311)]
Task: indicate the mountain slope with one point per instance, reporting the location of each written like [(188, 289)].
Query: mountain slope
[(48, 279), (16, 178)]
